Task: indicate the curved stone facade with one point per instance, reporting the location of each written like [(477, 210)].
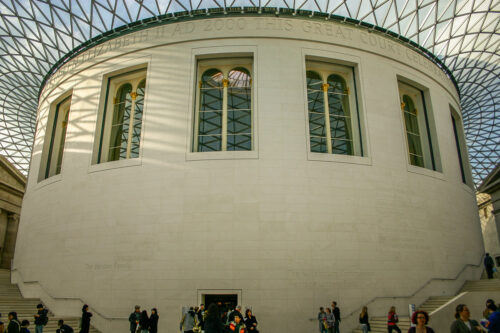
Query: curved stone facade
[(286, 229)]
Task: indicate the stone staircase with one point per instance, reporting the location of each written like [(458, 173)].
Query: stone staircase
[(379, 324), (481, 285), (12, 300)]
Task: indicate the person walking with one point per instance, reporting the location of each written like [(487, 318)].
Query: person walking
[(420, 319), (363, 320), (213, 322), (392, 320), (188, 321), (14, 326), (144, 322), (153, 321), (336, 313), (85, 326), (323, 325), (41, 318), (463, 323), (134, 318), (489, 264)]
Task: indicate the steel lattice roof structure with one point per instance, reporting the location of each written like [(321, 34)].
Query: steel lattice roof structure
[(461, 34)]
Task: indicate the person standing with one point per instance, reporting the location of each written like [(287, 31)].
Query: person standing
[(330, 320), (250, 322), (200, 316), (153, 321), (463, 323), (144, 322), (336, 313), (323, 326), (420, 319), (85, 328), (213, 322), (489, 264), (392, 320), (363, 320), (237, 326), (2, 326), (134, 318), (188, 321), (14, 326), (41, 318)]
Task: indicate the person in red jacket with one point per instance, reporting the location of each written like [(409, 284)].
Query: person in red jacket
[(392, 320)]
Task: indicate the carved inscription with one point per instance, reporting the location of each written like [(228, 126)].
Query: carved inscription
[(325, 31)]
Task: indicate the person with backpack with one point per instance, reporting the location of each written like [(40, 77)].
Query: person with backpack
[(41, 318), (392, 320), (14, 326), (85, 321), (24, 326), (188, 321), (63, 328)]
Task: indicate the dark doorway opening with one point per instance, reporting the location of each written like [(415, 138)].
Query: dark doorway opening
[(228, 301)]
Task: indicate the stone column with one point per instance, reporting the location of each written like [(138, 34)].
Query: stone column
[(3, 231), (10, 240)]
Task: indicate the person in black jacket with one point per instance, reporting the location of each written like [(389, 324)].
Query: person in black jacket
[(63, 328), (14, 326), (85, 327), (364, 321), (153, 321), (336, 313), (250, 322), (144, 322), (134, 318), (41, 318), (213, 322)]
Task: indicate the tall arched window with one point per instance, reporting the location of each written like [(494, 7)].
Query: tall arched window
[(412, 132), (55, 136), (122, 117), (224, 112), (421, 140), (332, 126)]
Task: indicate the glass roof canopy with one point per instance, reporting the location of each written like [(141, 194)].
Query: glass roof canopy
[(462, 34)]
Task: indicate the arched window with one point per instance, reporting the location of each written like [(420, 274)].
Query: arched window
[(210, 111), (119, 128), (55, 139), (316, 110), (339, 114), (224, 112), (329, 109), (412, 132), (122, 117)]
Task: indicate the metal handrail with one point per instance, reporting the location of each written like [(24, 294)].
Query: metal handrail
[(419, 289), (67, 298)]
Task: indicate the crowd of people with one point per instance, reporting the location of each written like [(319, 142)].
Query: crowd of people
[(420, 319), (41, 318), (218, 319)]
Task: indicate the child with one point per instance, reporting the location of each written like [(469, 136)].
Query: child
[(24, 326), (63, 328)]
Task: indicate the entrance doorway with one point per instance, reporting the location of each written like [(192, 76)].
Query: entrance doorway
[(228, 301)]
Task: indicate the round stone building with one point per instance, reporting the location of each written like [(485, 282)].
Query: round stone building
[(280, 162)]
